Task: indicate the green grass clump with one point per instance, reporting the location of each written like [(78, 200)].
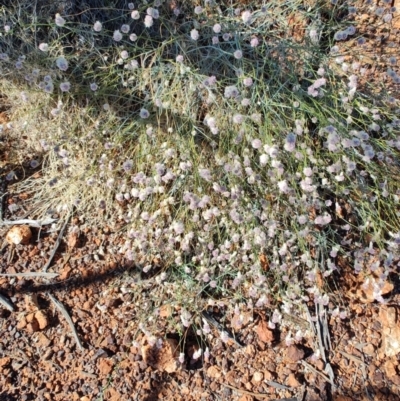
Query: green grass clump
[(237, 148)]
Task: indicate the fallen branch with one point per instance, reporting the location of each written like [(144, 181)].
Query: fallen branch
[(28, 222), (64, 312), (310, 367)]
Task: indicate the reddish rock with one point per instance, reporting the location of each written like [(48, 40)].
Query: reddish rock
[(268, 375), (22, 323), (43, 340), (369, 349), (4, 362), (105, 366), (258, 377), (113, 395), (66, 272), (319, 364), (294, 353), (33, 252), (388, 317), (389, 368), (73, 240), (19, 235), (246, 397), (264, 333), (214, 372), (30, 317), (165, 311), (291, 381), (164, 358), (32, 327), (250, 350), (42, 319)]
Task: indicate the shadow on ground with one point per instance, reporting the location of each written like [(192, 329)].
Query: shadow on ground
[(28, 286)]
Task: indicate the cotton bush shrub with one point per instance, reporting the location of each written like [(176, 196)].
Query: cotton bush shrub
[(216, 139)]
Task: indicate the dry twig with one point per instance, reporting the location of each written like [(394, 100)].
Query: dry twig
[(28, 222), (64, 312), (219, 327), (57, 244), (357, 360), (310, 367), (277, 385)]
